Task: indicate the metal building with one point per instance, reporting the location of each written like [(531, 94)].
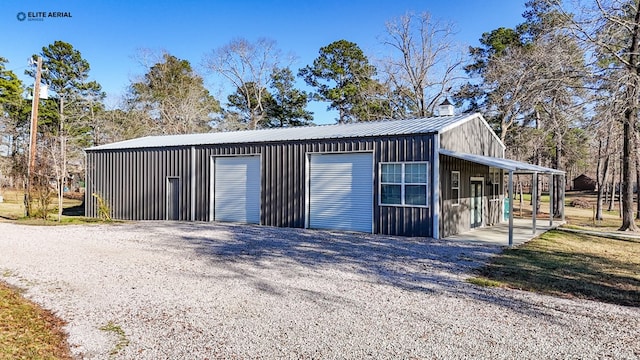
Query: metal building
[(430, 177)]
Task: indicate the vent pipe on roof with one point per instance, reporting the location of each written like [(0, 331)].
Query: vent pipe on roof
[(445, 109)]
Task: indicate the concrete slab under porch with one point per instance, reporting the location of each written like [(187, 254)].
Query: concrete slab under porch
[(499, 234)]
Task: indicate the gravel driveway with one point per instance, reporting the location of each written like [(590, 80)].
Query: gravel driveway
[(207, 291)]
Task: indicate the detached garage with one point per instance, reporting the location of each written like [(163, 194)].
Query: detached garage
[(430, 177)]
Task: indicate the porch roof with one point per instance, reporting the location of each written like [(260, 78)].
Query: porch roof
[(517, 167)]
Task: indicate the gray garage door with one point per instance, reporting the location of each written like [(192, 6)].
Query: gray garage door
[(237, 189), (341, 191)]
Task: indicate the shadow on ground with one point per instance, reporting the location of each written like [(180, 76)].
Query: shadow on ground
[(411, 263), (74, 210)]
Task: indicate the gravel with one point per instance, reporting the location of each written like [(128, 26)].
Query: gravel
[(208, 291)]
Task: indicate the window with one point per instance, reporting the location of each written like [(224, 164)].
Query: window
[(455, 187), (495, 183), (403, 184)]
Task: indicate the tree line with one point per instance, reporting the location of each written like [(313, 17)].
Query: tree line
[(560, 90), (171, 96)]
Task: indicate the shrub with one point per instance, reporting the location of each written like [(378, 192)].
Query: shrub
[(104, 211)]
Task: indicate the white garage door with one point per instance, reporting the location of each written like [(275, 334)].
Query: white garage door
[(341, 191), (237, 189)]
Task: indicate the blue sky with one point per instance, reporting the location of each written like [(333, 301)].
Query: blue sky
[(109, 34)]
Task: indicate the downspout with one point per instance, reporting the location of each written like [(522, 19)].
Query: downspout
[(435, 187), (87, 196), (193, 183), (564, 186), (534, 201), (551, 197)]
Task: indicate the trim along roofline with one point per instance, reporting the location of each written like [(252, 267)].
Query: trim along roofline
[(364, 129)]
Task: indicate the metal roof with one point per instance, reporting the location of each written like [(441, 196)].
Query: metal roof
[(336, 131), (504, 164)]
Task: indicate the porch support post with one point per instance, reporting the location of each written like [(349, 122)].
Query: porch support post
[(192, 175), (510, 207), (564, 187), (534, 201), (435, 186), (551, 178)]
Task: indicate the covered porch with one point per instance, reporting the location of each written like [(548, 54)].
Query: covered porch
[(516, 231), (497, 234)]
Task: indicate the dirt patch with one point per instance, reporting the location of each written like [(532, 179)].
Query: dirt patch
[(580, 203)]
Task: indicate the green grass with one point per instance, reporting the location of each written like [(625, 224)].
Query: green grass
[(122, 342), (570, 265), (66, 220), (27, 331), (527, 198), (579, 217), (12, 209)]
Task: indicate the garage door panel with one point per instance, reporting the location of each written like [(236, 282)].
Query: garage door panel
[(237, 189), (341, 191)]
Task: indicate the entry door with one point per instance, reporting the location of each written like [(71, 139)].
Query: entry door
[(476, 203), (173, 198)]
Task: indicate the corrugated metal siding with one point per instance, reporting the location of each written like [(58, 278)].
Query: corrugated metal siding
[(134, 186), (472, 137), (457, 219), (140, 194), (398, 220)]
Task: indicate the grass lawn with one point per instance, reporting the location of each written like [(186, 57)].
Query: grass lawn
[(575, 216), (12, 209), (27, 331), (570, 265)]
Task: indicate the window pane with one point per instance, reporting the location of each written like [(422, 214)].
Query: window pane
[(415, 173), (390, 194), (415, 195), (455, 196), (455, 179), (391, 173)]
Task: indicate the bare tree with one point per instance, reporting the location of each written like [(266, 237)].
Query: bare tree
[(248, 67), (611, 28), (425, 60), (607, 133), (513, 86)]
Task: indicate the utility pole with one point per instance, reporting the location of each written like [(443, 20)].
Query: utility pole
[(63, 157), (33, 132)]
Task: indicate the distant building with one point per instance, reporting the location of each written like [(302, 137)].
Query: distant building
[(583, 182)]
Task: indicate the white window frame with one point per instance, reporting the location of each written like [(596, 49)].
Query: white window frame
[(494, 175), (455, 201), (403, 184)]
